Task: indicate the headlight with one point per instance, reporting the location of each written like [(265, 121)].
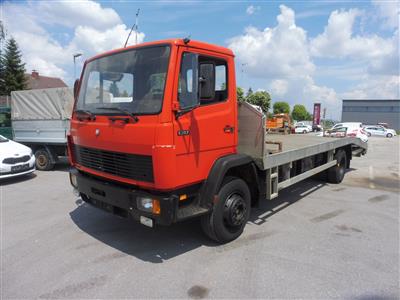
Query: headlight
[(148, 204)]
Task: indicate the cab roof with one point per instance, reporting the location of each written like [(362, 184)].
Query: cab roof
[(177, 42)]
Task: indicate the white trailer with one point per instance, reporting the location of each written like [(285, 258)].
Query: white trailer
[(40, 119)]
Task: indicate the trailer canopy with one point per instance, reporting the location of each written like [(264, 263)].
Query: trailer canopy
[(42, 104)]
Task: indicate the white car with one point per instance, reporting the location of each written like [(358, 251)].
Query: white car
[(346, 131), (15, 159), (302, 129), (379, 130), (303, 124), (348, 125)]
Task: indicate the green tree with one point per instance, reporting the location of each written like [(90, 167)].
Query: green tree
[(249, 92), (240, 94), (14, 68), (281, 107), (260, 98), (300, 113), (113, 89)]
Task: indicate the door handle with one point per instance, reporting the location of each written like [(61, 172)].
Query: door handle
[(229, 129)]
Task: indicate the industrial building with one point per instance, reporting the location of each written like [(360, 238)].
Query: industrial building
[(371, 112)]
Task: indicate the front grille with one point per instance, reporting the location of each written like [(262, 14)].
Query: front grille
[(16, 160), (132, 166)]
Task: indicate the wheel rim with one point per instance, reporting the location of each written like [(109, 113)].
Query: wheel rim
[(41, 160), (235, 211)]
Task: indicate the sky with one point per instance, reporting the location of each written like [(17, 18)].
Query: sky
[(301, 52)]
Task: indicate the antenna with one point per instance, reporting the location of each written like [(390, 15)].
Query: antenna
[(136, 25)]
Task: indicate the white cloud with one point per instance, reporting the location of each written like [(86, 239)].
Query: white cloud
[(375, 87), (279, 87), (274, 52), (95, 29), (388, 11), (91, 40), (338, 40), (250, 10), (82, 12), (280, 56)]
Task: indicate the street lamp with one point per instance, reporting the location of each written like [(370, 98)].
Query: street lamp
[(76, 55)]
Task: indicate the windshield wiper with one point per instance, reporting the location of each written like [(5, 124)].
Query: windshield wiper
[(91, 116), (121, 110)]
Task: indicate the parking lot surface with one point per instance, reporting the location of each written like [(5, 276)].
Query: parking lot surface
[(317, 240)]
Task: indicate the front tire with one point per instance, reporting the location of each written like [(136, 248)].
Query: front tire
[(336, 173), (230, 213), (389, 135)]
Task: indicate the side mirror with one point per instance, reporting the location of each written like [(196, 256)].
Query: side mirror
[(207, 81), (76, 85)]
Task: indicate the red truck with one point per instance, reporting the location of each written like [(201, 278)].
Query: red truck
[(157, 134)]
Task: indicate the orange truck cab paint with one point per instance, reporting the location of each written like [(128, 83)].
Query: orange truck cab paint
[(154, 136)]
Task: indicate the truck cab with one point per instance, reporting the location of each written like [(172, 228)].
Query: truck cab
[(148, 125)]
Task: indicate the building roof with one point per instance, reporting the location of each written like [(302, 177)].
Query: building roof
[(35, 81)]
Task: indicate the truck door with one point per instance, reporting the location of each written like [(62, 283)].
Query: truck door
[(208, 131)]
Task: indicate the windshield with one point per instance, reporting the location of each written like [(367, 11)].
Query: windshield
[(3, 139), (133, 81)]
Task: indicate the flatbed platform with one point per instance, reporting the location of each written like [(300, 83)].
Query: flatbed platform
[(296, 146)]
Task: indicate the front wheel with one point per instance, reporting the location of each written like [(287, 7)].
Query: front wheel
[(389, 135), (231, 212), (369, 134)]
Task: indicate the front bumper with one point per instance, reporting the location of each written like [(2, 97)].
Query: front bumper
[(7, 172), (121, 200)]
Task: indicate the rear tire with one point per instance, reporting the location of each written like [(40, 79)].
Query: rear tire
[(304, 131), (43, 160), (231, 212), (389, 135), (368, 134), (336, 173)]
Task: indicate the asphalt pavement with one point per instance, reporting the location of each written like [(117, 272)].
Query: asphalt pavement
[(317, 240)]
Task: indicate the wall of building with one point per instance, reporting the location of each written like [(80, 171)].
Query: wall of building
[(372, 112)]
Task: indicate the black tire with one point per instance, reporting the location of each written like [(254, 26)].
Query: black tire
[(43, 160), (230, 214), (368, 134), (304, 131), (389, 135), (336, 173)]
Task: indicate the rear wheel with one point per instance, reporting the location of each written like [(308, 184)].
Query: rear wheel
[(369, 134), (231, 212), (389, 135), (43, 160), (336, 173), (304, 131)]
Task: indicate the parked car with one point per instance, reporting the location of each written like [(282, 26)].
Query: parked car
[(302, 129), (348, 125), (346, 131), (316, 128), (304, 124), (379, 130), (15, 159)]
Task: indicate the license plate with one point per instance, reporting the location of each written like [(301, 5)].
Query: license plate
[(20, 168)]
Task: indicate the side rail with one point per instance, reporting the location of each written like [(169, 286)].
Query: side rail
[(283, 176)]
